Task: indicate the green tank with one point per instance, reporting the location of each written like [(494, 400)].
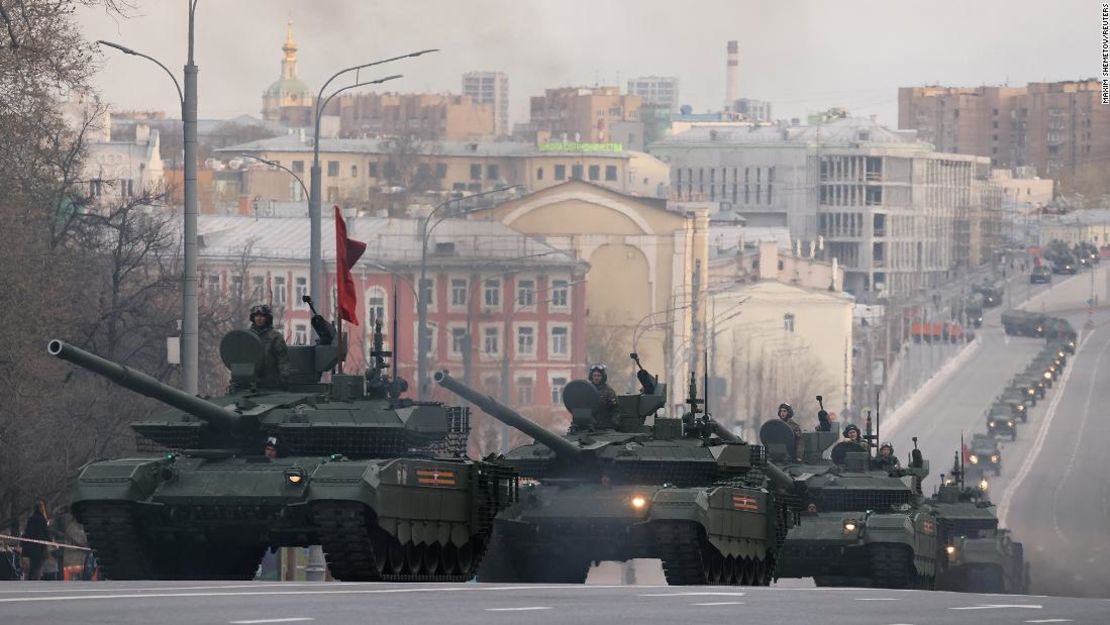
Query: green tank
[(979, 556), (1023, 323), (683, 490), (381, 481), (863, 525)]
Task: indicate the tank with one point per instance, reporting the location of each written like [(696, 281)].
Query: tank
[(1023, 323), (979, 555), (863, 525), (683, 490), (381, 481)]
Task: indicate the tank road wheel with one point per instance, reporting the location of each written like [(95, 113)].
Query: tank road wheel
[(730, 578), (430, 564), (714, 566), (395, 554), (892, 566), (449, 559), (464, 559), (413, 558)]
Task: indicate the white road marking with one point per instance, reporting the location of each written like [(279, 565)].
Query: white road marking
[(1042, 435), (695, 594), (877, 599), (999, 606), (1051, 620), (1075, 449), (719, 603), (292, 619), (108, 587), (528, 609)]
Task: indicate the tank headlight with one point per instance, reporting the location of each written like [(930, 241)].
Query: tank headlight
[(638, 502), (991, 424), (950, 550), (974, 459), (294, 475), (994, 458), (1030, 391), (1010, 423), (1059, 354), (984, 485), (850, 526), (1021, 407)]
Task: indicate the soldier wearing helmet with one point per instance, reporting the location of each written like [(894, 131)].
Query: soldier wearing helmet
[(786, 413), (886, 459), (600, 379), (273, 370)]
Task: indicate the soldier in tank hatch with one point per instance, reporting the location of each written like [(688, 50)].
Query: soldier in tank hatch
[(273, 371), (886, 458), (600, 379), (786, 413)]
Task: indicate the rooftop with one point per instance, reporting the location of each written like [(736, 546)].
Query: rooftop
[(392, 242), (294, 143), (849, 132)]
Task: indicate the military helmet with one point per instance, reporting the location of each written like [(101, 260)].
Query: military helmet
[(789, 410), (850, 428), (887, 446), (272, 442), (600, 368), (261, 309)]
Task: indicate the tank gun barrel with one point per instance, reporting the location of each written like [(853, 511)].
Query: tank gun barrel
[(781, 478), (143, 384), (562, 447)]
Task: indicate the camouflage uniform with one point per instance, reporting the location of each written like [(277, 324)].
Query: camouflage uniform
[(609, 409), (273, 370), (799, 443)]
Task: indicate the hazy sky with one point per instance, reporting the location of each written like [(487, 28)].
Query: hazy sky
[(802, 56)]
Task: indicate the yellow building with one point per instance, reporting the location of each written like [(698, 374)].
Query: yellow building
[(643, 262), (288, 100), (361, 172)]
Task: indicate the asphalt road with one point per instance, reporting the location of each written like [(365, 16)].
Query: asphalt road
[(140, 603), (1053, 491)]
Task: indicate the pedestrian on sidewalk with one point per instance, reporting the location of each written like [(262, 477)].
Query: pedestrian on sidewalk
[(37, 528)]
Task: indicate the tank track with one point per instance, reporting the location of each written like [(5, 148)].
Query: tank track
[(125, 553), (892, 566), (114, 537), (690, 560), (510, 560), (358, 550)]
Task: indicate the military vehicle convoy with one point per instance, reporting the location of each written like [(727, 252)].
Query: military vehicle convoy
[(984, 455), (866, 523), (979, 556), (381, 481), (1000, 421), (683, 490)]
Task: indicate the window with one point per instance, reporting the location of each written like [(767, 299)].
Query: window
[(475, 171), (333, 169), (300, 289), (298, 167), (788, 322), (258, 287), (428, 291), (560, 293), (375, 305), (491, 341), (576, 172), (560, 172), (594, 172), (372, 169), (526, 341), (354, 171), (441, 170), (390, 170), (493, 172), (278, 285), (526, 293), (213, 283), (557, 386), (539, 173), (611, 172), (300, 334), (458, 341), (491, 292), (560, 345), (524, 391), (237, 286), (458, 291), (429, 338)]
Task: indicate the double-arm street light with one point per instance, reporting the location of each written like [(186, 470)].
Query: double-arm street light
[(421, 286), (189, 308), (316, 260)]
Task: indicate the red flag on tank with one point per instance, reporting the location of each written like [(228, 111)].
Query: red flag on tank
[(347, 253)]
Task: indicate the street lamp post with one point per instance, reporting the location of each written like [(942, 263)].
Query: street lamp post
[(316, 260), (190, 352), (421, 288)]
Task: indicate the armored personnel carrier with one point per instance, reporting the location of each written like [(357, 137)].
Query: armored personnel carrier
[(683, 490), (979, 556), (973, 310), (1016, 398), (1059, 331), (381, 481), (865, 522)]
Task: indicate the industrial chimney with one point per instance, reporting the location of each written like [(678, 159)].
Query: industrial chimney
[(732, 78)]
